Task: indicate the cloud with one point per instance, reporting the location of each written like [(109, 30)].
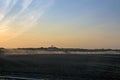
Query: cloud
[(16, 16)]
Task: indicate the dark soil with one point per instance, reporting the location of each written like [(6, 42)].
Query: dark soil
[(63, 66)]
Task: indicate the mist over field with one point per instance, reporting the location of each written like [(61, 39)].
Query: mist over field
[(87, 33), (60, 64), (34, 52)]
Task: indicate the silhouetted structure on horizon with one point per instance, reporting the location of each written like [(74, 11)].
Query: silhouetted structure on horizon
[(53, 48)]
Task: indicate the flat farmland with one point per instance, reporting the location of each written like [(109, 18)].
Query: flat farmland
[(63, 66)]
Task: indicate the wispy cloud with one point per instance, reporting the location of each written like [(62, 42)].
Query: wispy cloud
[(16, 16)]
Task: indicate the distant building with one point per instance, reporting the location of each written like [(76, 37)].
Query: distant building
[(52, 48)]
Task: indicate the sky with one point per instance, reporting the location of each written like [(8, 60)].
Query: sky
[(63, 23)]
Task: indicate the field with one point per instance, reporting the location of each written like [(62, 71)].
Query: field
[(63, 66)]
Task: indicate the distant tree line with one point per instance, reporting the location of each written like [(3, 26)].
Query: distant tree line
[(1, 51), (63, 49), (69, 49)]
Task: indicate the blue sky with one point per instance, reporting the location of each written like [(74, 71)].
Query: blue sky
[(64, 23), (98, 10)]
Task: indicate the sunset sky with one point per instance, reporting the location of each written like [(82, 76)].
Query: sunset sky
[(63, 23)]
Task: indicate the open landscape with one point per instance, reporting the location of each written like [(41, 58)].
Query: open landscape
[(59, 39), (62, 66)]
